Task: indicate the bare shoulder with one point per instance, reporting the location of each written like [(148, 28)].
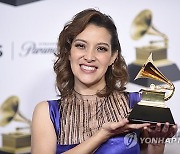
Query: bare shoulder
[(41, 118), (43, 132), (41, 106), (41, 110)]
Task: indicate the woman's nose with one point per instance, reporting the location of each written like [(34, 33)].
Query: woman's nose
[(90, 56)]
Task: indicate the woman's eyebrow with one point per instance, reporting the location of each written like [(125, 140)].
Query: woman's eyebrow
[(80, 40), (100, 43)]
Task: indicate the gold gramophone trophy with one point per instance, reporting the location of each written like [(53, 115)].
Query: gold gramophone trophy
[(18, 141), (152, 108), (142, 25)]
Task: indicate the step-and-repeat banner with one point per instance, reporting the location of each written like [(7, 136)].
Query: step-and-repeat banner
[(28, 35)]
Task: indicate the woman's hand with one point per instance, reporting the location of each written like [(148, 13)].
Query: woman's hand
[(159, 134), (123, 126), (158, 131)]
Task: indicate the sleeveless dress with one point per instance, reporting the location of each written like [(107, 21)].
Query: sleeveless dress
[(127, 143)]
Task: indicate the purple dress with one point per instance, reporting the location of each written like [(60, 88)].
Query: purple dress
[(122, 144)]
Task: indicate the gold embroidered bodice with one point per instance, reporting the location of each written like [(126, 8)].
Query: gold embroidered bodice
[(82, 115)]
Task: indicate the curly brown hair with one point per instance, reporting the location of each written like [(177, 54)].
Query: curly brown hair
[(116, 76)]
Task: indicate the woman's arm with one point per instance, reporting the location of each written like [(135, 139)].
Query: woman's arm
[(43, 138), (90, 145), (108, 130)]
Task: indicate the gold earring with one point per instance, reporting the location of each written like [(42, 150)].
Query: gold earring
[(113, 66)]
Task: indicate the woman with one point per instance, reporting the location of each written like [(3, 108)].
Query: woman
[(90, 116)]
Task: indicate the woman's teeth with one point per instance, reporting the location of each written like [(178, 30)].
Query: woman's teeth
[(88, 68)]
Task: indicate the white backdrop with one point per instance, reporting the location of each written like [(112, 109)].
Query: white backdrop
[(28, 37)]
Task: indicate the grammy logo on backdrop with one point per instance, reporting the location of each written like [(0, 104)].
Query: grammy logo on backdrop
[(152, 108), (142, 25), (18, 141)]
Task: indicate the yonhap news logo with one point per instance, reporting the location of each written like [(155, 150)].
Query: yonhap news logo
[(130, 140)]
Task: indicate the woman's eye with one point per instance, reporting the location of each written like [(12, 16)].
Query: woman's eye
[(102, 49), (80, 46)]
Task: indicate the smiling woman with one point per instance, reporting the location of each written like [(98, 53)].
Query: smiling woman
[(90, 116), (94, 33)]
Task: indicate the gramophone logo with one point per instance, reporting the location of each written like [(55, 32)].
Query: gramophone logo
[(142, 25), (18, 140), (9, 111), (1, 52), (18, 2)]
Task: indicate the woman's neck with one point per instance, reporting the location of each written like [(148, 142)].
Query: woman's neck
[(88, 90)]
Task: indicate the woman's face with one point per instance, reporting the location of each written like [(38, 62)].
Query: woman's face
[(90, 57)]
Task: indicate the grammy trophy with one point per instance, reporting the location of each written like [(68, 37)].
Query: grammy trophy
[(152, 108)]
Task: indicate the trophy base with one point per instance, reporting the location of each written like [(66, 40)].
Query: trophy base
[(158, 53), (171, 71), (150, 114)]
